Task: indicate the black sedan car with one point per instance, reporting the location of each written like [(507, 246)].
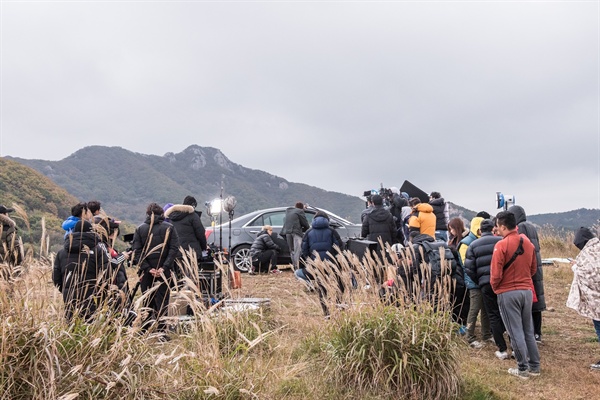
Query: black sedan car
[(245, 228)]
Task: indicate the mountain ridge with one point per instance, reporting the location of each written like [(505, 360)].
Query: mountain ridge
[(126, 182)]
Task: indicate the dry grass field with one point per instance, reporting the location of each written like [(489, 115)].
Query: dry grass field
[(276, 356), (569, 343)]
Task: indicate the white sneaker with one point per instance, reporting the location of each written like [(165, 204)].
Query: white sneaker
[(502, 355), (519, 373), (475, 344)]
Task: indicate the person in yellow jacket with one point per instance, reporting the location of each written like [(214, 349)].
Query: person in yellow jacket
[(422, 219)]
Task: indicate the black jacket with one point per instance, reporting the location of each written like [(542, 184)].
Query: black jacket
[(295, 222), (76, 272), (479, 258), (419, 259), (188, 225), (439, 209), (155, 245), (379, 223), (262, 243), (529, 230)]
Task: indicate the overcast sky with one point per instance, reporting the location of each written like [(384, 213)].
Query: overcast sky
[(462, 97)]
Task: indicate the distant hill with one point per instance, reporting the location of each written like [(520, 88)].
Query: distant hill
[(126, 182), (38, 196)]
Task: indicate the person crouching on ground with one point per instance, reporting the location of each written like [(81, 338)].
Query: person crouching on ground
[(264, 252)]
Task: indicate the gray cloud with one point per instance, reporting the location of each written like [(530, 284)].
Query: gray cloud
[(467, 98)]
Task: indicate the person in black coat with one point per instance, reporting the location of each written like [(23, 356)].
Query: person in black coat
[(477, 265), (77, 269), (155, 247), (379, 223), (187, 223), (528, 229), (264, 252)]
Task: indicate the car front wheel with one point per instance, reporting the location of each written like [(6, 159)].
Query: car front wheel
[(242, 261)]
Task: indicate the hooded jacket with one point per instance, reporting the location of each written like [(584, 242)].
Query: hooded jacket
[(526, 228), (78, 273), (155, 245), (584, 296), (295, 222), (320, 238), (442, 215), (69, 224), (464, 245), (419, 259), (188, 225), (423, 220), (379, 223)]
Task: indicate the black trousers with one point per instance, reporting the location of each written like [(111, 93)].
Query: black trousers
[(265, 259), (537, 322), (158, 301), (490, 303)]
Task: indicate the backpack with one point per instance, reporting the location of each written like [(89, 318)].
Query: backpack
[(434, 258)]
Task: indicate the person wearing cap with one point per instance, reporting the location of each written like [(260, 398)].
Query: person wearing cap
[(155, 247), (76, 270), (584, 296), (10, 248), (191, 233)]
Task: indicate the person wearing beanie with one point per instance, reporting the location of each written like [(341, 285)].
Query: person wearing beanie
[(294, 226), (379, 224), (76, 270), (10, 244), (528, 229), (477, 269), (155, 248), (584, 296)]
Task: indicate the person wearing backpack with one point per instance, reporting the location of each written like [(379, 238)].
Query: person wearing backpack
[(429, 267), (513, 264)]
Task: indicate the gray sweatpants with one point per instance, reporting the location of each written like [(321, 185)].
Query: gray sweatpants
[(515, 309), (295, 244)]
